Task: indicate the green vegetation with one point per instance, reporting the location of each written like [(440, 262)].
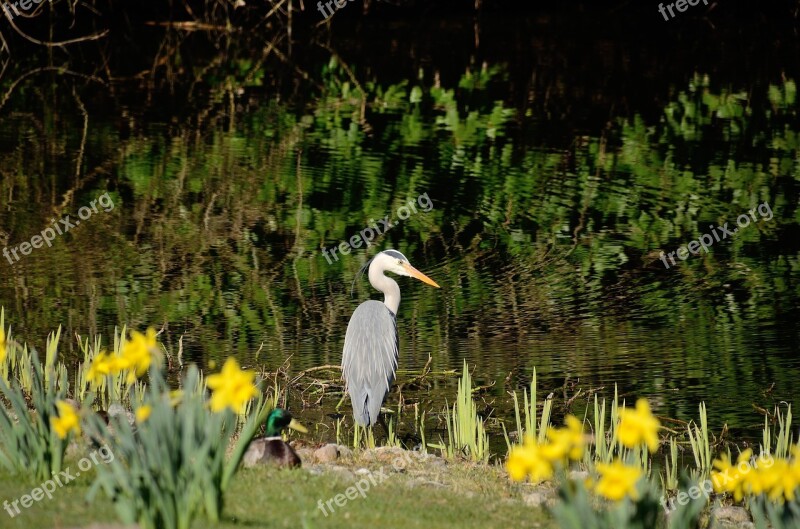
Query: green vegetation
[(701, 449), (577, 510), (783, 436), (178, 461), (172, 465), (28, 444), (624, 493), (530, 410), (466, 432), (606, 440)]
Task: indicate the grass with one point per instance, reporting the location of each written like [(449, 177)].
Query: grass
[(472, 496), (459, 495), (67, 508)]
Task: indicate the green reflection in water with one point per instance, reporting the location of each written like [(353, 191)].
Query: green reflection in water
[(548, 254)]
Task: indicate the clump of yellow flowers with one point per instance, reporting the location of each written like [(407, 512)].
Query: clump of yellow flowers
[(135, 357), (778, 478), (537, 460), (231, 388), (636, 427), (616, 480)]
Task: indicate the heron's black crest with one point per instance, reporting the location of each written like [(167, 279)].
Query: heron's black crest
[(395, 254), (359, 274)]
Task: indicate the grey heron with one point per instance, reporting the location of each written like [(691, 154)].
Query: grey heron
[(371, 345)]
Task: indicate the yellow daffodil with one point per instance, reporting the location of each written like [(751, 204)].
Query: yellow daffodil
[(791, 480), (794, 467), (731, 477), (566, 442), (638, 426), (777, 481), (102, 365), (67, 420), (2, 345), (143, 412), (529, 460), (137, 353), (617, 480), (231, 388)]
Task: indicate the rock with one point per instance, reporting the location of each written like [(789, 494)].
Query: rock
[(578, 475), (344, 451), (391, 454), (341, 473), (118, 410), (540, 498), (431, 460), (305, 454), (327, 453), (730, 516)]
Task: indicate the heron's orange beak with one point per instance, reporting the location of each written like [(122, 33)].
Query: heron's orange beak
[(413, 272)]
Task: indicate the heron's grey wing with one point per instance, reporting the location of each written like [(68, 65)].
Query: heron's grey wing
[(369, 359)]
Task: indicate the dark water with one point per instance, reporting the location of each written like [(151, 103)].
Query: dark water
[(560, 155)]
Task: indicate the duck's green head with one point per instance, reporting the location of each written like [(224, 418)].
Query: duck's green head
[(279, 419)]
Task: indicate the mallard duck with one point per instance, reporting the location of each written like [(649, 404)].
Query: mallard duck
[(272, 449)]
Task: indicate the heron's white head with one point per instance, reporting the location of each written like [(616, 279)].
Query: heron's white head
[(395, 262)]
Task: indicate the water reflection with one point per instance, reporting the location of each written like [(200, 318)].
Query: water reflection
[(546, 250)]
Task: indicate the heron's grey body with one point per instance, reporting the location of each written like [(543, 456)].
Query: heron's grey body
[(371, 345), (370, 359)]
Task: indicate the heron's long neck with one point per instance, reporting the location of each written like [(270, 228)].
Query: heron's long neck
[(387, 285)]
